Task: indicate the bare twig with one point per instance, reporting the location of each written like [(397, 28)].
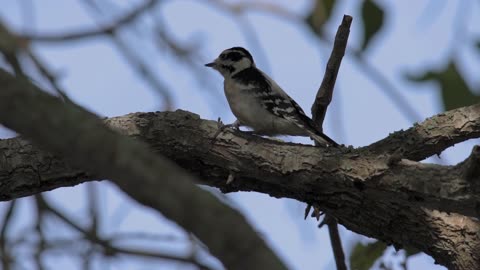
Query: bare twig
[(319, 110), (5, 255), (111, 31), (136, 63), (109, 249), (307, 211), (13, 46), (91, 33), (41, 244), (336, 242), (325, 92), (94, 226), (242, 7), (93, 207), (10, 49), (118, 237), (50, 76)]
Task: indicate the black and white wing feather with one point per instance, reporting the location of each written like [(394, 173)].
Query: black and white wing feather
[(279, 103), (285, 107)]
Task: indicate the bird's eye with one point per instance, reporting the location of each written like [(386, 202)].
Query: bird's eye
[(223, 56)]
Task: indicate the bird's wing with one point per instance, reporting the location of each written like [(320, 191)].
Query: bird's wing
[(282, 105), (276, 101)]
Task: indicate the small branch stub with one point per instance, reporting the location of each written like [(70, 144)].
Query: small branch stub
[(230, 178)]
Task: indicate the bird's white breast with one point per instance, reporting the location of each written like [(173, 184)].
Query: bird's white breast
[(244, 106)]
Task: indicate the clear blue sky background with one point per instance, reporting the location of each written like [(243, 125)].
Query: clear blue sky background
[(417, 35)]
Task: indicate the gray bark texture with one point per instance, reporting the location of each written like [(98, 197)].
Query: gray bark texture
[(380, 191)]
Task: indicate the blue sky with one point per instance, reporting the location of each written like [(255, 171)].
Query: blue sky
[(417, 35)]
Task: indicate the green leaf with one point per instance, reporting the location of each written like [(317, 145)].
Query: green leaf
[(364, 256), (454, 90), (372, 16), (319, 15)]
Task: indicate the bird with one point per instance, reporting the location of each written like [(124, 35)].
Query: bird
[(259, 103)]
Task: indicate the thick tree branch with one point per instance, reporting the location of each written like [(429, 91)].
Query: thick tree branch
[(362, 191), (186, 138), (433, 135), (360, 187), (150, 179)]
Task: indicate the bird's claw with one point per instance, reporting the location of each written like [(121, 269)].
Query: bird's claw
[(221, 127)]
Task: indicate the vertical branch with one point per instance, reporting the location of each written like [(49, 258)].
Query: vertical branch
[(39, 222), (336, 242), (319, 110), (9, 50), (325, 92), (5, 255)]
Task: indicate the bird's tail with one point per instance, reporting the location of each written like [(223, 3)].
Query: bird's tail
[(322, 138), (318, 136)]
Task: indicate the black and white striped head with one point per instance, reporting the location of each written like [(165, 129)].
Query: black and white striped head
[(232, 61)]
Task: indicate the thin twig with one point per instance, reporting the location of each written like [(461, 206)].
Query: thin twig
[(319, 110), (91, 33), (111, 31), (110, 250), (262, 6), (135, 62), (7, 259), (336, 242), (325, 92), (10, 49), (50, 76), (126, 236), (95, 223), (41, 245)]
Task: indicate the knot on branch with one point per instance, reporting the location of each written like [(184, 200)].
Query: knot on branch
[(396, 157)]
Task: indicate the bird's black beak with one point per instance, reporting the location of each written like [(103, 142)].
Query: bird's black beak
[(211, 64)]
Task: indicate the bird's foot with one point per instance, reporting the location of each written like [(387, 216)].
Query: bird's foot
[(221, 127)]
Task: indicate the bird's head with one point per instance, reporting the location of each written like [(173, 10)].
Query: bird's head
[(232, 61)]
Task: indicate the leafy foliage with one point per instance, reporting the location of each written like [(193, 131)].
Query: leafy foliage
[(373, 18), (455, 92), (364, 256), (319, 15)]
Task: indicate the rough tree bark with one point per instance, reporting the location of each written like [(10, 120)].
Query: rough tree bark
[(374, 190)]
